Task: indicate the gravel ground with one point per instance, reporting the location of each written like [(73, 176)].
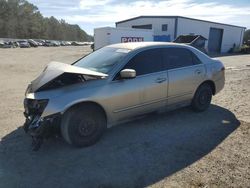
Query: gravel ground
[(174, 149)]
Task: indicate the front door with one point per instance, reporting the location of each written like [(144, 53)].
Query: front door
[(145, 93)]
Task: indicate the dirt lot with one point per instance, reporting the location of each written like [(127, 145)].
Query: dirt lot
[(176, 149)]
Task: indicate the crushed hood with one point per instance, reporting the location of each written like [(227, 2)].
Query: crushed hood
[(55, 69)]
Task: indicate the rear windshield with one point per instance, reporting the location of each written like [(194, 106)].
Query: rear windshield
[(102, 60)]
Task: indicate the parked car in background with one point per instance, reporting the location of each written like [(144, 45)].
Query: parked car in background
[(32, 43), (1, 44), (40, 42), (117, 83), (74, 43), (12, 44), (48, 43), (67, 43), (62, 43), (55, 43), (16, 44), (6, 45), (23, 44)]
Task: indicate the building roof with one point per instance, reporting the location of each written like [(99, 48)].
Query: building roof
[(175, 17), (135, 45)]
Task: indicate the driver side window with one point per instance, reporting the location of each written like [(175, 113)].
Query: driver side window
[(146, 62)]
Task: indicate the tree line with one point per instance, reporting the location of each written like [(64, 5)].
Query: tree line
[(21, 19), (246, 36)]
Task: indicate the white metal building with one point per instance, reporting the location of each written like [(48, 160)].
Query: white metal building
[(221, 37), (108, 35)]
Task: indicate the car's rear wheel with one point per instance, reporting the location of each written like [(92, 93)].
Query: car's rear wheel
[(83, 125), (202, 98)]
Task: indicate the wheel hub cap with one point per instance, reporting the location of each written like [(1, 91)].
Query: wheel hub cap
[(86, 127), (203, 99)]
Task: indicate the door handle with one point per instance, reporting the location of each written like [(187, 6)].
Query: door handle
[(160, 80), (198, 71)]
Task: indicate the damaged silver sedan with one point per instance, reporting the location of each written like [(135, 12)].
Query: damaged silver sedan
[(115, 84)]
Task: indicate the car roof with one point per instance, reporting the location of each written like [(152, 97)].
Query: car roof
[(136, 45)]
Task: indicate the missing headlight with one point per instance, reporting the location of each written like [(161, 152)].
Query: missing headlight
[(34, 107)]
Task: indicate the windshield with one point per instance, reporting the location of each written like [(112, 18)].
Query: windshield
[(102, 60)]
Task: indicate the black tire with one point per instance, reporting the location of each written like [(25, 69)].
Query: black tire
[(202, 98), (83, 125)]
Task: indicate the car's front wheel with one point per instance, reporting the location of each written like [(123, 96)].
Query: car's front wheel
[(83, 125), (202, 98)]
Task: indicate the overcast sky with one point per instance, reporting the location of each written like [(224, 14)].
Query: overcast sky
[(89, 14)]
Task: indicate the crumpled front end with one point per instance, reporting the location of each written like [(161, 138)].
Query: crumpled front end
[(42, 109), (36, 125)]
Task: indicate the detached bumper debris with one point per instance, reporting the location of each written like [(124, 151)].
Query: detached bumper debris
[(39, 127)]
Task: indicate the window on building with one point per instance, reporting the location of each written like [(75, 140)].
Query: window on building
[(148, 26), (164, 27), (148, 61)]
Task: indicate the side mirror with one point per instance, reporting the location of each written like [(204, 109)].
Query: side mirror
[(128, 73)]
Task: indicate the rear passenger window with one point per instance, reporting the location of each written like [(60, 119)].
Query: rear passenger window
[(196, 60), (146, 62), (179, 57)]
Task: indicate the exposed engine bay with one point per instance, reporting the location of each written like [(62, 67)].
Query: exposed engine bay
[(63, 80), (58, 74)]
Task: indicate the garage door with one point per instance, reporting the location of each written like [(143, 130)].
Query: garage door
[(215, 40)]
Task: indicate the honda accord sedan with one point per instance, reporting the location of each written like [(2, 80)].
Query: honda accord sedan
[(115, 84)]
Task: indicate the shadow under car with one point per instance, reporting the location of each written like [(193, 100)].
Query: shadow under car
[(134, 154)]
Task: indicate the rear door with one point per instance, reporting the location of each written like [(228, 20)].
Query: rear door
[(185, 73)]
